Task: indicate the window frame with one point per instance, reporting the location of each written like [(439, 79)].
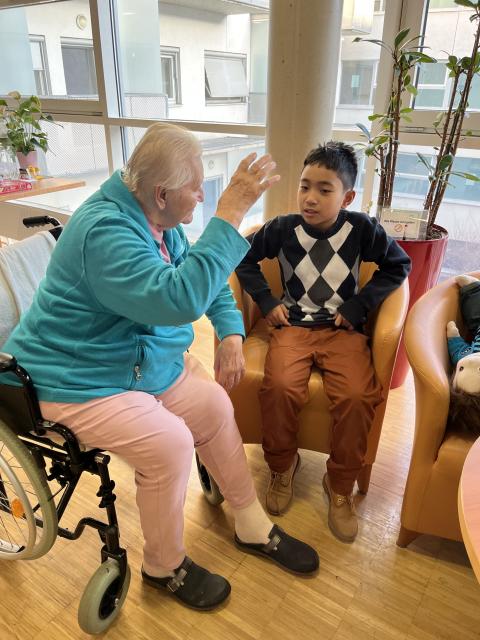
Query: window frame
[(372, 84), (40, 40), (173, 54), (226, 55)]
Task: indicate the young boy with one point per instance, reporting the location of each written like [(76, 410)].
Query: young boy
[(318, 321)]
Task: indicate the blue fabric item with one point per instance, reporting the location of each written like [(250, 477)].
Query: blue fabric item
[(458, 348), (111, 315)]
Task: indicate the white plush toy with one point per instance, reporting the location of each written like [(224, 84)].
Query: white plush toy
[(465, 357)]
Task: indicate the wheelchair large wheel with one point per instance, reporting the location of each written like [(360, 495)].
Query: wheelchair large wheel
[(24, 498), (209, 487), (103, 597)]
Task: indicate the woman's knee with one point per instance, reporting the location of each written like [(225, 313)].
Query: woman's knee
[(215, 404), (169, 451)]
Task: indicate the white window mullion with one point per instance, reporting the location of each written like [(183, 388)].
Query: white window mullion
[(391, 26)]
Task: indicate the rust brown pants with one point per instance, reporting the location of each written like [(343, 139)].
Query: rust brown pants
[(345, 361)]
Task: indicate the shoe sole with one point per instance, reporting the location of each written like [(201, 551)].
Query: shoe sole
[(271, 559), (338, 535), (160, 587), (280, 513)]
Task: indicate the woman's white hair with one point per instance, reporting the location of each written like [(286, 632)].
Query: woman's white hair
[(163, 157)]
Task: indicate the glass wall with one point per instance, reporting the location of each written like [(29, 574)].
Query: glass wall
[(50, 50), (182, 63), (221, 155), (207, 67), (357, 75)]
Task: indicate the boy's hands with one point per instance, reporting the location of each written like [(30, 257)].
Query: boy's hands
[(278, 317), (229, 362), (340, 321), (247, 184)]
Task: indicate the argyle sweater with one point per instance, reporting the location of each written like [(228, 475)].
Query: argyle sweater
[(319, 269)]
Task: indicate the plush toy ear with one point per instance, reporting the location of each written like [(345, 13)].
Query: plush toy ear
[(452, 330)]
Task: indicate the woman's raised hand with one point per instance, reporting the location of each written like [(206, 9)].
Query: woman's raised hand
[(247, 184)]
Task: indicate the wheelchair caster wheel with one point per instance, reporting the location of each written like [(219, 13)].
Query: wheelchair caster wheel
[(209, 487), (103, 598)]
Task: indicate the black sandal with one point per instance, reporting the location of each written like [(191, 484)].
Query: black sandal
[(193, 585), (290, 553)]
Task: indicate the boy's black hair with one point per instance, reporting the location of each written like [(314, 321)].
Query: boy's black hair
[(338, 157)]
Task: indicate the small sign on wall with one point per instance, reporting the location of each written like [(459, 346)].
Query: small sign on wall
[(404, 224)]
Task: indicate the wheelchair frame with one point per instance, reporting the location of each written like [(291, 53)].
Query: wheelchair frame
[(20, 413)]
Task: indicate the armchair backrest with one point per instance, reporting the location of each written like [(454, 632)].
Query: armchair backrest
[(271, 271)]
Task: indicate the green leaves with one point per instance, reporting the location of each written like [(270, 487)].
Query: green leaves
[(400, 37), (24, 131), (467, 3)]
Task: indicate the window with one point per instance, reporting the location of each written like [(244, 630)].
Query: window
[(431, 86), (442, 4), (225, 77), (79, 67), (357, 82), (204, 211), (434, 88), (379, 6), (170, 64), (40, 67)]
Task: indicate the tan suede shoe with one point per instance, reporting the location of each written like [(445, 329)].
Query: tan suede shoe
[(280, 489), (342, 518)]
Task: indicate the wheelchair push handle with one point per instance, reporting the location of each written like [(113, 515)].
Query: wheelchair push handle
[(7, 362), (40, 221)]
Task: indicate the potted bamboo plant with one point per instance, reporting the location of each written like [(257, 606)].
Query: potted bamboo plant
[(427, 254), (24, 131)]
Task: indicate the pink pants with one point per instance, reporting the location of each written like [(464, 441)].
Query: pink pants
[(157, 436)]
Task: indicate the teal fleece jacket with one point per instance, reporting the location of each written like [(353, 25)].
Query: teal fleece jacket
[(111, 315)]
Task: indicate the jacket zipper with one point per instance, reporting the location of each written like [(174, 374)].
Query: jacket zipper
[(137, 371)]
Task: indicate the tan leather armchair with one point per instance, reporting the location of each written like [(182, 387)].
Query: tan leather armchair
[(385, 327), (430, 499)]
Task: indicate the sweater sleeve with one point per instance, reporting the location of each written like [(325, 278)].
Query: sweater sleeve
[(393, 267), (264, 243), (224, 315), (128, 278)]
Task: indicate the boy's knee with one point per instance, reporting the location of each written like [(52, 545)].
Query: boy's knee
[(359, 399)]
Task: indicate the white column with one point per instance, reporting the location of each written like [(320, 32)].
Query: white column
[(304, 54)]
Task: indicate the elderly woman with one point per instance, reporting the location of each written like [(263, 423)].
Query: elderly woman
[(106, 337)]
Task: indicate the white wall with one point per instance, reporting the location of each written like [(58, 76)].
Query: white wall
[(193, 32), (56, 21)]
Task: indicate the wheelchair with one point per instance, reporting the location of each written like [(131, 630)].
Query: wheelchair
[(36, 456)]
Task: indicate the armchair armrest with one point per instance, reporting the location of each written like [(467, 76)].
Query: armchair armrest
[(426, 347), (386, 330)]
